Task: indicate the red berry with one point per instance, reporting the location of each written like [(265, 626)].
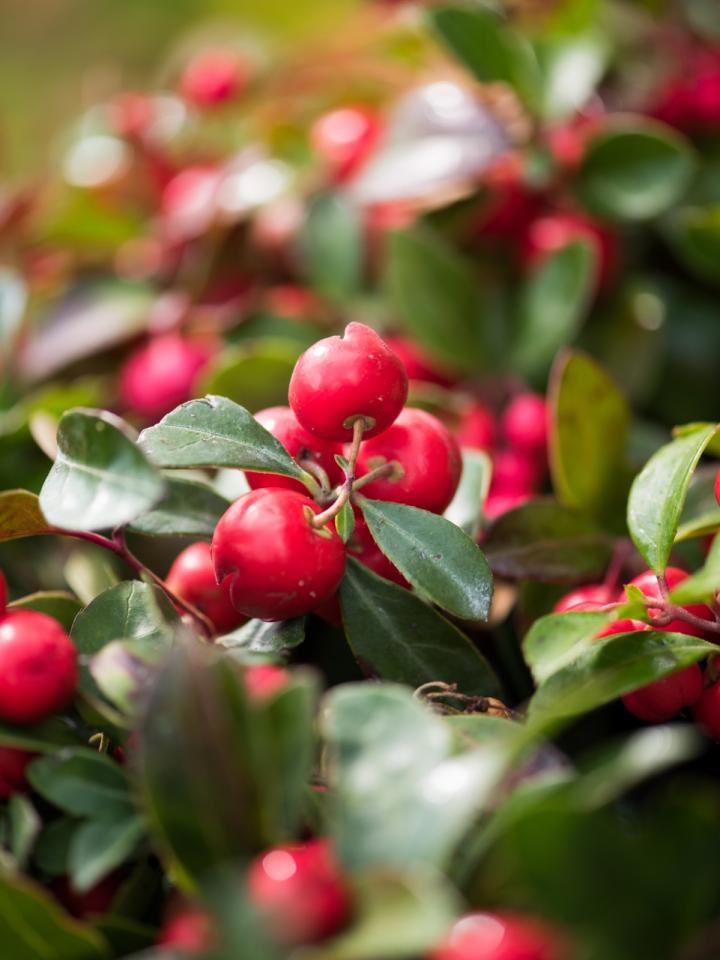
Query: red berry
[(192, 578), (95, 901), (621, 626), (342, 379), (282, 423), (594, 593), (499, 503), (363, 548), (500, 936), (549, 234), (38, 667), (345, 138), (524, 423), (417, 364), (3, 594), (160, 375), (12, 770), (188, 202), (189, 931), (428, 457), (476, 428), (263, 681), (300, 891), (648, 584), (131, 114), (278, 564), (515, 472), (665, 698), (707, 711), (214, 77)]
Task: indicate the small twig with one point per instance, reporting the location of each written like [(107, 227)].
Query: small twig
[(389, 469), (317, 472), (345, 491)]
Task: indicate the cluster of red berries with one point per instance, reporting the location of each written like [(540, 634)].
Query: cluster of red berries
[(665, 698)]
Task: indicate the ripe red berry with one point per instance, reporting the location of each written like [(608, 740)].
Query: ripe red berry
[(363, 548), (428, 457), (190, 931), (621, 626), (524, 423), (500, 936), (648, 584), (345, 138), (214, 77), (300, 891), (192, 578), (594, 593), (263, 681), (515, 472), (417, 364), (188, 203), (342, 379), (665, 698), (707, 711), (476, 429), (282, 423), (95, 901), (12, 770), (278, 564), (160, 375), (38, 667)]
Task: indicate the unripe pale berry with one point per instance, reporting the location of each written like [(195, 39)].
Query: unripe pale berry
[(345, 138), (38, 667), (342, 379), (160, 375), (648, 584), (188, 932), (12, 770), (594, 593), (192, 578), (707, 711), (278, 564), (500, 936), (214, 77), (524, 423), (300, 891), (282, 423), (263, 681), (417, 364), (476, 429), (428, 457)]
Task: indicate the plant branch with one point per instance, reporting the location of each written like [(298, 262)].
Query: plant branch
[(385, 470), (345, 491)]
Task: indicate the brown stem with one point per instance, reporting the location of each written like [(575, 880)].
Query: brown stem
[(385, 470), (317, 473), (670, 612), (320, 519)]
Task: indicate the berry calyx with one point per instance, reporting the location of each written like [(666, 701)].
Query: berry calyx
[(12, 770), (476, 428), (214, 77), (524, 423), (500, 936), (707, 711), (38, 667), (427, 458), (192, 578), (596, 594), (263, 681), (345, 138), (160, 375), (190, 931), (282, 423), (647, 582), (300, 891), (278, 564), (339, 380)]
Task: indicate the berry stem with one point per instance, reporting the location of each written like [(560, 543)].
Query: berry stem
[(671, 611), (318, 476), (345, 491), (385, 470)]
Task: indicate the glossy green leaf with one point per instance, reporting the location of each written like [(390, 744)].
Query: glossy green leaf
[(395, 636), (124, 671), (693, 233), (552, 306), (62, 606), (635, 169), (556, 640), (331, 246), (82, 782), (46, 736), (658, 494), (701, 513), (589, 422), (100, 479), (263, 638), (52, 849), (215, 432), (254, 375), (345, 522), (101, 845), (611, 668), (437, 557), (188, 509), (704, 583), (543, 540), (465, 511), (24, 825), (20, 515)]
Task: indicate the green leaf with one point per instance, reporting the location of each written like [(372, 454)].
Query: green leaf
[(556, 640), (263, 638), (490, 48), (34, 927), (466, 508), (101, 845), (53, 846), (571, 64), (553, 304), (24, 825), (124, 671), (62, 606), (543, 540), (100, 479), (46, 736), (693, 233), (658, 494), (701, 513), (611, 668), (20, 515), (331, 245), (188, 509), (703, 584), (82, 782), (437, 557), (215, 432), (434, 293), (589, 422), (254, 375), (394, 635), (635, 169), (345, 522)]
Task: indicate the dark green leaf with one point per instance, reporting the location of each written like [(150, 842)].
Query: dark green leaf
[(396, 636), (658, 494), (556, 640), (101, 845), (62, 606), (263, 638), (82, 782), (100, 479), (188, 509), (434, 555), (254, 375), (53, 846), (543, 540), (693, 233), (24, 825), (20, 515), (43, 737), (466, 508), (124, 671), (331, 247)]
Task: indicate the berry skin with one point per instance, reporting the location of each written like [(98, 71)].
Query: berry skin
[(12, 770), (665, 698), (160, 375), (282, 423), (192, 578), (190, 932), (38, 667), (524, 423), (500, 936), (514, 471), (263, 681), (417, 364), (3, 594), (647, 582), (429, 459), (363, 548), (476, 429), (300, 891), (707, 711), (345, 138), (596, 594), (213, 77), (341, 379), (278, 564)]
